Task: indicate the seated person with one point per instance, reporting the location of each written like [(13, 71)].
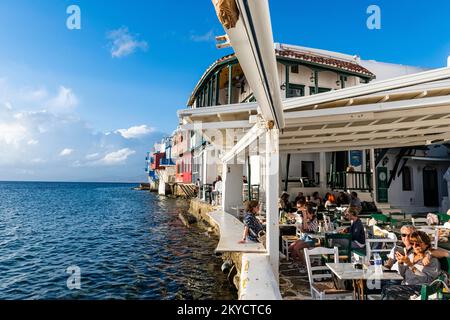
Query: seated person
[(331, 201), (356, 230), (301, 210), (309, 225), (298, 197), (252, 226), (316, 199), (283, 203), (392, 264), (355, 202), (414, 269), (342, 199)]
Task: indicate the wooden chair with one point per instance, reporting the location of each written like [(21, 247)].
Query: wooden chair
[(286, 241), (323, 290)]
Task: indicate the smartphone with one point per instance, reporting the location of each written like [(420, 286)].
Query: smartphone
[(400, 250)]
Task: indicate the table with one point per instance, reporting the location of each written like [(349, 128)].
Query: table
[(346, 271)]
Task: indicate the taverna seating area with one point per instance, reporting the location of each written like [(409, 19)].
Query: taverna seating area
[(334, 270)]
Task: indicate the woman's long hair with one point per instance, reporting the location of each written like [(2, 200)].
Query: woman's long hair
[(250, 205)]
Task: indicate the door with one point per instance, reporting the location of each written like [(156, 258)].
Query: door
[(308, 170), (341, 161), (430, 187), (382, 185)]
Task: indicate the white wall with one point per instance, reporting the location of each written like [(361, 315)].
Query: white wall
[(414, 200)]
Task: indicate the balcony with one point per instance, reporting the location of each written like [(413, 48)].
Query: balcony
[(352, 181), (164, 162)]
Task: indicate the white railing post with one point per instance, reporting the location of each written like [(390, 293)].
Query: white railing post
[(272, 190)]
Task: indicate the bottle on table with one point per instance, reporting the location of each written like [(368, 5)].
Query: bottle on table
[(378, 263)]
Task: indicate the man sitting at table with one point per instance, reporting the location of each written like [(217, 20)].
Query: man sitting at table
[(356, 229)]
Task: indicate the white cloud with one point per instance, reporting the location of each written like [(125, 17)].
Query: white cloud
[(32, 142), (92, 156), (123, 43), (34, 95), (35, 133), (12, 133), (117, 157), (209, 36), (65, 99), (38, 161), (66, 152), (135, 132)]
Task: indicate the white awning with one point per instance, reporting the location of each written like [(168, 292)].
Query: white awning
[(414, 116)]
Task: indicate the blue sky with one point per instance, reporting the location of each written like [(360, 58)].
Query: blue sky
[(104, 93)]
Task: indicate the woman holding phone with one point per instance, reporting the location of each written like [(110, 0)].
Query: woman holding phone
[(417, 268)]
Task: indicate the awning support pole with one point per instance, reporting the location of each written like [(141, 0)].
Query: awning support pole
[(272, 189)]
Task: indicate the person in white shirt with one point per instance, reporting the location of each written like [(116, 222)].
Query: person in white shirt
[(217, 189)]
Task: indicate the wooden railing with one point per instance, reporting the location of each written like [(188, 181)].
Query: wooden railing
[(353, 181)]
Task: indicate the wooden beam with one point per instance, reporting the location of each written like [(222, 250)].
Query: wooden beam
[(380, 142), (345, 148), (371, 136), (365, 128), (370, 111)]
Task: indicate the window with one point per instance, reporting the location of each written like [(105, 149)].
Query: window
[(295, 90), (407, 179), (312, 90), (294, 69)]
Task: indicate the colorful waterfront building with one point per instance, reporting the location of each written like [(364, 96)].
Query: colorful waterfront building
[(160, 166), (182, 150)]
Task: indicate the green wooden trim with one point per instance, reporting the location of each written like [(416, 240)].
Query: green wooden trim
[(216, 102), (341, 77), (288, 163), (230, 79), (316, 81), (210, 92), (295, 86), (313, 90)]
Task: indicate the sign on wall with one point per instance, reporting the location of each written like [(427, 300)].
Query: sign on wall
[(356, 158)]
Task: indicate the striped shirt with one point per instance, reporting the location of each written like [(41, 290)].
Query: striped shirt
[(311, 226)]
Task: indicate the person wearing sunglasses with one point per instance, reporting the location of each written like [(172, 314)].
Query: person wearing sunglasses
[(406, 247), (391, 262), (413, 270)]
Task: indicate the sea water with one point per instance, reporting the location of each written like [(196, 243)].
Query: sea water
[(126, 244)]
